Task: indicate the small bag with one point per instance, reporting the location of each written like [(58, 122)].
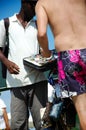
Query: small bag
[(56, 111), (70, 112)]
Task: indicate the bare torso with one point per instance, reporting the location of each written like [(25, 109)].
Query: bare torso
[(67, 19)]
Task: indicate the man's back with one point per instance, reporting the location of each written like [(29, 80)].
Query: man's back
[(67, 19)]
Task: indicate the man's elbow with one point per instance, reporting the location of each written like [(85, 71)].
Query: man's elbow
[(41, 35)]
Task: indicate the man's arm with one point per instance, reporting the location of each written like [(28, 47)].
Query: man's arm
[(6, 119), (11, 66), (42, 22)]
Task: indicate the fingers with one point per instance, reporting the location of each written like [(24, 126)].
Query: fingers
[(14, 69)]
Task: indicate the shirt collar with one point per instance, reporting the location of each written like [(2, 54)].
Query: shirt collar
[(14, 19)]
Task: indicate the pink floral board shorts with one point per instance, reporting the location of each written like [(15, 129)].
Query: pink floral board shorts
[(72, 72)]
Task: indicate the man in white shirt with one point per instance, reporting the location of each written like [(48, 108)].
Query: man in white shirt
[(28, 86)]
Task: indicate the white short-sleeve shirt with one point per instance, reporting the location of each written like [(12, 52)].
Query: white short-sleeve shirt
[(2, 122), (22, 43)]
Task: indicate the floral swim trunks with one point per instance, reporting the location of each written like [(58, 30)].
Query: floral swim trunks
[(72, 72)]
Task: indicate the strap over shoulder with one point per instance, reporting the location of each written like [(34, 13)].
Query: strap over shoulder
[(6, 24), (6, 49)]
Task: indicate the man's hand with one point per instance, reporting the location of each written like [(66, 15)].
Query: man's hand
[(45, 54), (12, 67)]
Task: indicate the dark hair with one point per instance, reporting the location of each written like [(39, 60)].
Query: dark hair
[(31, 2)]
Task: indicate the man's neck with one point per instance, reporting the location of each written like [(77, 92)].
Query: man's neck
[(20, 17)]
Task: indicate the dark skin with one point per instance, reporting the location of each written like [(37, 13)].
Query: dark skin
[(26, 13)]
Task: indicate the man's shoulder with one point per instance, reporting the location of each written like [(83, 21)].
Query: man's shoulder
[(11, 18), (1, 21)]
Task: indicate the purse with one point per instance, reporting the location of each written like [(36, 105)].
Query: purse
[(56, 111)]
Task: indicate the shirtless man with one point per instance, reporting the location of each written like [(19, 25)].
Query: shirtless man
[(67, 19)]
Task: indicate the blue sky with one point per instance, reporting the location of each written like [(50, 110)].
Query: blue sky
[(8, 7)]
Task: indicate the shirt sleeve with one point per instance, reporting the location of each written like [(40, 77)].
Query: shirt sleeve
[(2, 34), (2, 104)]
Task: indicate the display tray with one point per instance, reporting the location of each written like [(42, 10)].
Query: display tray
[(40, 63)]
